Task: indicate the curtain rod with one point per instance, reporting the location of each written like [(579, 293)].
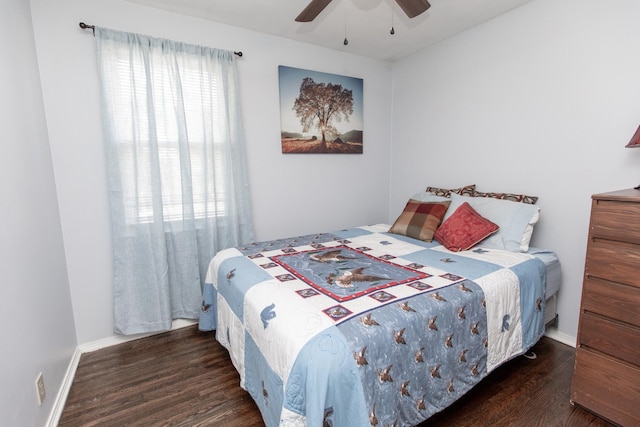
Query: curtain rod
[(93, 29)]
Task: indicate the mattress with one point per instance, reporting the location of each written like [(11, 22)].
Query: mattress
[(552, 264)]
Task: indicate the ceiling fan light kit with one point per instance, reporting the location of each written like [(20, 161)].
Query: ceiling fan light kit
[(412, 8)]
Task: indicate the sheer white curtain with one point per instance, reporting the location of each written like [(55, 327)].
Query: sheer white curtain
[(177, 180)]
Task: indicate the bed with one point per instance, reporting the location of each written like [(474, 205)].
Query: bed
[(381, 324)]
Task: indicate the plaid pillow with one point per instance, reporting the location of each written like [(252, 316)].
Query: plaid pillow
[(508, 196), (420, 219), (464, 229), (467, 190)]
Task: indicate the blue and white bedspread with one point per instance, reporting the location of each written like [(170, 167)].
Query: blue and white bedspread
[(362, 327)]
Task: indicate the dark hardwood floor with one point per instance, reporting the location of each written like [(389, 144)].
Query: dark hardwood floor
[(185, 378)]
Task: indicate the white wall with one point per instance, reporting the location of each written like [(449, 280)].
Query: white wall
[(290, 194), (542, 101), (38, 333)]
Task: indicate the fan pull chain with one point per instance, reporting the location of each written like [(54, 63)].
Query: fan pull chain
[(393, 31), (345, 42)]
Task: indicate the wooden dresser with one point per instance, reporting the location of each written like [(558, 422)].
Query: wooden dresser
[(606, 376)]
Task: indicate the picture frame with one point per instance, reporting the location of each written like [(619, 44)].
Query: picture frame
[(320, 112)]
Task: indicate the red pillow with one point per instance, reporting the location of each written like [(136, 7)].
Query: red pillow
[(464, 229)]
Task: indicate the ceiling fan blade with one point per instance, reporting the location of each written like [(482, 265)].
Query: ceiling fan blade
[(312, 10), (413, 8)]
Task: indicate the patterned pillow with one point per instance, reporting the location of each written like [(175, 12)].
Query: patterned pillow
[(464, 229), (467, 190), (507, 196), (420, 219)]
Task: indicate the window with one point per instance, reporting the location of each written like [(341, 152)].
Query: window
[(182, 114)]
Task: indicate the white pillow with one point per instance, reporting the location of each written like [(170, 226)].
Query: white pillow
[(425, 196), (516, 220)]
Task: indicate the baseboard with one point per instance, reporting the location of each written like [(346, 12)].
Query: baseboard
[(65, 387), (556, 335), (67, 381), (119, 339)]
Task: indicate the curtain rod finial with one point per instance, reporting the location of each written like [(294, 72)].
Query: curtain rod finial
[(85, 26)]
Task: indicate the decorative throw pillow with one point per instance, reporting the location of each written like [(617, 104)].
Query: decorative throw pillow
[(516, 220), (420, 219), (464, 229), (507, 196), (467, 190)]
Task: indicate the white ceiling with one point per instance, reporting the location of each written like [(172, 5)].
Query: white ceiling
[(365, 23)]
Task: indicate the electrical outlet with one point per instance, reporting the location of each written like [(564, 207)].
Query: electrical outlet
[(40, 391)]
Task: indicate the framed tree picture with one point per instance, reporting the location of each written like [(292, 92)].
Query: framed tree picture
[(320, 112)]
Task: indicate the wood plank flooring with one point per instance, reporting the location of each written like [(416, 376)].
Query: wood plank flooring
[(185, 378)]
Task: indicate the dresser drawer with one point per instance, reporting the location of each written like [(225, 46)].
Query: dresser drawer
[(615, 220), (612, 338), (614, 261), (607, 387), (611, 299)]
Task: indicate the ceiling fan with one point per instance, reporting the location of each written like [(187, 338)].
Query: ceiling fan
[(412, 8)]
